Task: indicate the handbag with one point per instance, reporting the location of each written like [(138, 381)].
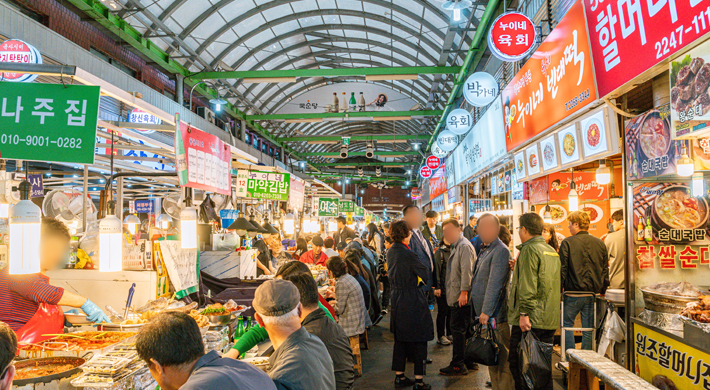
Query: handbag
[(483, 347), (535, 362)]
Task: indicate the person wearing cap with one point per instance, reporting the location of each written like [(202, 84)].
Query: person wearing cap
[(344, 233), (171, 345), (8, 350), (315, 255), (341, 249), (300, 360)]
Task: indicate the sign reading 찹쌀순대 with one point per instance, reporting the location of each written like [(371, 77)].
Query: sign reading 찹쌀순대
[(53, 122)]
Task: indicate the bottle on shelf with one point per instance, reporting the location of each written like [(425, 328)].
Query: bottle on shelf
[(639, 230), (352, 104), (361, 103), (343, 103), (334, 105)]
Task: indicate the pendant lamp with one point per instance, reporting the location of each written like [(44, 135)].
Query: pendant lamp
[(110, 241), (573, 197), (270, 229), (163, 221), (603, 174), (241, 225), (132, 221), (258, 228), (188, 226), (25, 220), (684, 165)]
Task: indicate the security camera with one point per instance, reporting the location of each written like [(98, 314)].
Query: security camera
[(344, 151), (369, 151)]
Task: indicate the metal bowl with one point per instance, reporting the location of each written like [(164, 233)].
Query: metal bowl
[(663, 303), (120, 328), (77, 319), (220, 319), (48, 362)]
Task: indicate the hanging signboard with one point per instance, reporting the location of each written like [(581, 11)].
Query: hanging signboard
[(48, 122), (437, 151), (459, 121), (628, 37), (480, 89), (359, 211), (433, 162), (518, 188), (478, 205), (425, 172), (203, 161), (512, 36), (447, 140), (139, 116), (37, 186), (568, 142), (454, 194), (296, 193), (494, 185), (482, 146), (586, 184), (328, 207), (346, 206), (690, 102), (144, 206), (557, 81), (263, 185), (20, 52), (449, 171), (416, 194), (508, 176), (538, 191), (649, 149), (437, 186)]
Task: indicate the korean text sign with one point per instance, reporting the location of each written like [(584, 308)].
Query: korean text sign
[(346, 206), (328, 207), (207, 159), (630, 36), (557, 81), (48, 121), (263, 185), (650, 150), (587, 187)]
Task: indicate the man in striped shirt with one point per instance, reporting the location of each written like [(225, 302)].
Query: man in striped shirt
[(29, 304)]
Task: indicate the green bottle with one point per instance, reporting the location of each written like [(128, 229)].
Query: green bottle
[(239, 332), (248, 324), (648, 231), (352, 104)]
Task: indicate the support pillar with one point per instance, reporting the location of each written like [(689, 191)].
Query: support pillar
[(179, 89)]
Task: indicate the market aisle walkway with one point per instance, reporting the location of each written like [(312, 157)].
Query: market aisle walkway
[(377, 360)]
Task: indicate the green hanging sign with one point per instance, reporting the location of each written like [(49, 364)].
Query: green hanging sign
[(359, 211), (346, 206), (328, 207)]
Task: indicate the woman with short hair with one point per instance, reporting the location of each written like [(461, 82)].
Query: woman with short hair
[(349, 302)]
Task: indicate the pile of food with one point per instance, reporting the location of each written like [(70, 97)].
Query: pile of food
[(698, 311), (36, 368), (678, 289), (76, 342), (215, 310), (201, 320), (109, 369)]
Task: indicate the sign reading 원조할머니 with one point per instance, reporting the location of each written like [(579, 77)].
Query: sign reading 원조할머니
[(53, 122)]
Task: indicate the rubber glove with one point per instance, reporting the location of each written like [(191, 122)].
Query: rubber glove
[(68, 324), (94, 313)]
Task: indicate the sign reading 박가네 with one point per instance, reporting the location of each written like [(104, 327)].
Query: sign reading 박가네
[(51, 122)]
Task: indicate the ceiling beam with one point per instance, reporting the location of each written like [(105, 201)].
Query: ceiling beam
[(362, 164), (364, 114), (362, 154), (337, 138), (402, 70)]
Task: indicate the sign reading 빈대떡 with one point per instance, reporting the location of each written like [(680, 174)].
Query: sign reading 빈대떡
[(53, 122)]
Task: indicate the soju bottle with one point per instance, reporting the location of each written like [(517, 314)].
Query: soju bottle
[(352, 104), (335, 105), (239, 332), (648, 231), (361, 103), (247, 324)]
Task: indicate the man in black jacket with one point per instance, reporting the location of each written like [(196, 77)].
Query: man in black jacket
[(585, 267), (344, 233), (470, 230)]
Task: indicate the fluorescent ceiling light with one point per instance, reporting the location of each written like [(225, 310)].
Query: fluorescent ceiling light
[(311, 120), (270, 80), (392, 118), (385, 77)]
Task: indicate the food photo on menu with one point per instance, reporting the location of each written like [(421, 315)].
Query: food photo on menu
[(690, 99), (650, 151)]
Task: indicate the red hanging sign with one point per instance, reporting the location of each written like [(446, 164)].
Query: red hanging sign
[(433, 162), (585, 182), (538, 191), (425, 172), (512, 36)]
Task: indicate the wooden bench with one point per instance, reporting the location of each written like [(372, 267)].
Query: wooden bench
[(588, 368), (355, 345)]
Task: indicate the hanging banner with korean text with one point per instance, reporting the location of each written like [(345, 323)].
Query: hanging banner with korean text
[(203, 161), (346, 206), (480, 89), (37, 186), (586, 184), (459, 121), (296, 194), (539, 191), (51, 122), (629, 37), (690, 102), (557, 81), (263, 185), (328, 207), (19, 52)]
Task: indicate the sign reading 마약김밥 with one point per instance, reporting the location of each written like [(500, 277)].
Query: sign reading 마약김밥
[(203, 161), (556, 82), (263, 185), (53, 122), (629, 37), (328, 207)]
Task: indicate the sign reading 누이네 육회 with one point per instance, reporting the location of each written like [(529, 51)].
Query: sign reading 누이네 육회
[(328, 207), (53, 122)]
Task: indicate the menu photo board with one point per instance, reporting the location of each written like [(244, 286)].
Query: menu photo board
[(568, 141), (494, 185), (598, 134), (550, 154), (519, 162), (508, 177), (518, 188), (598, 212), (650, 151), (478, 205), (532, 155), (690, 102), (203, 161), (539, 192)]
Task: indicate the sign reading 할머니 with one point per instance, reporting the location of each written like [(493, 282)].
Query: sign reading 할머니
[(328, 207), (53, 122), (263, 185)]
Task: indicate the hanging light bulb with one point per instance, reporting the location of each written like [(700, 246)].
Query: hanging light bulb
[(289, 224), (188, 227), (603, 174), (241, 225), (132, 221), (332, 226), (25, 220), (163, 221), (4, 210), (110, 241), (684, 165), (457, 14), (698, 184), (270, 229), (547, 218), (573, 197)]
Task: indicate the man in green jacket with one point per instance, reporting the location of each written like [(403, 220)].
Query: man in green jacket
[(534, 302)]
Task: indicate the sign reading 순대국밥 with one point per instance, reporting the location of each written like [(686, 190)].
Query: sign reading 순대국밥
[(53, 122)]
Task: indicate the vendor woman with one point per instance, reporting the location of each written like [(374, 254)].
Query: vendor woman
[(29, 304)]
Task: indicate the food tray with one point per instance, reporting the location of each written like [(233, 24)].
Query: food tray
[(110, 363), (663, 303), (120, 328), (259, 362), (53, 347)]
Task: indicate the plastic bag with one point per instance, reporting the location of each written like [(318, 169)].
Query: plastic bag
[(225, 241), (483, 346), (535, 362), (613, 333)]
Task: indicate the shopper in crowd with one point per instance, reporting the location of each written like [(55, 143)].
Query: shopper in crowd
[(8, 350), (470, 230), (171, 345), (616, 246), (357, 271), (550, 236), (315, 255), (443, 314), (349, 302), (490, 295), (329, 247), (316, 322), (301, 248), (300, 360), (29, 304), (585, 268), (344, 233), (278, 254), (505, 236), (340, 248), (374, 239), (459, 273), (383, 276), (422, 248), (410, 319), (431, 230), (370, 267), (534, 292), (263, 259)]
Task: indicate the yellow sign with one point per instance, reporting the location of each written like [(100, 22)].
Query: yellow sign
[(661, 359), (349, 218)]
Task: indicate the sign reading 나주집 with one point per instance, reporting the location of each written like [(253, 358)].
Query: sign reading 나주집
[(51, 122)]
